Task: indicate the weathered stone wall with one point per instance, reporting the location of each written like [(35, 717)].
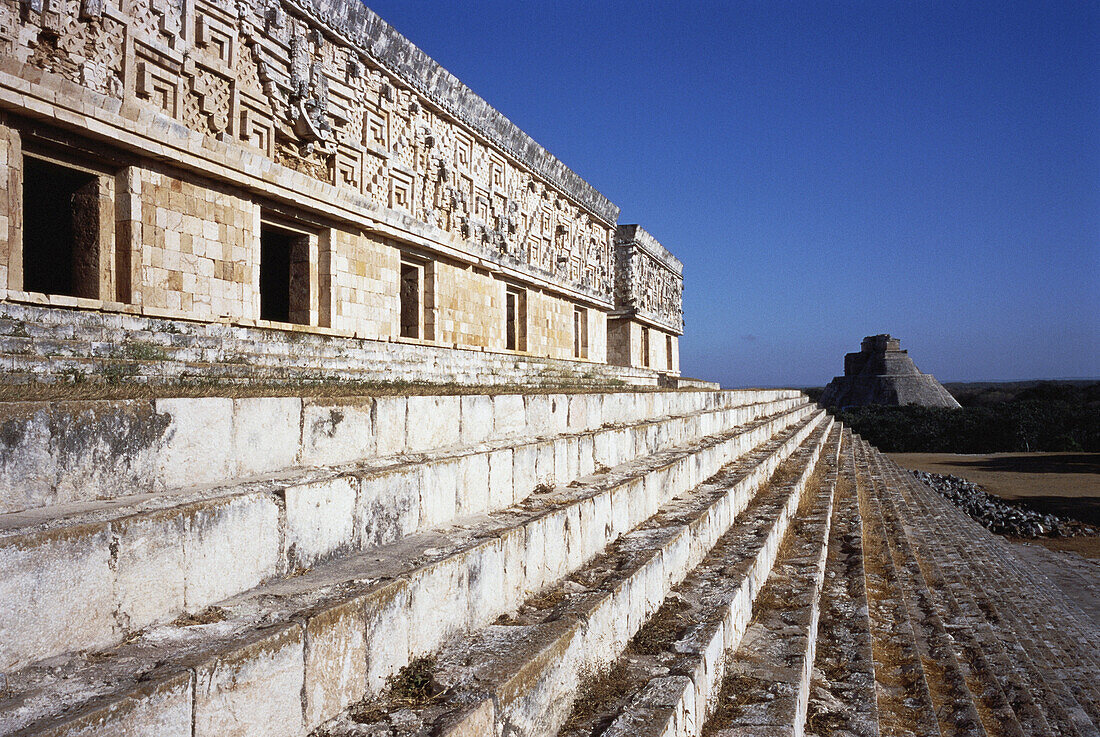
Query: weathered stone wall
[(363, 272), (627, 346), (201, 122), (46, 344), (278, 83), (470, 307), (11, 155), (649, 280)]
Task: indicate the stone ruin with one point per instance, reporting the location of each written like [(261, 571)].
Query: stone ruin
[(882, 373), (297, 175), (573, 561)]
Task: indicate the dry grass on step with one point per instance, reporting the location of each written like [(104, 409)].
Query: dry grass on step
[(321, 389)]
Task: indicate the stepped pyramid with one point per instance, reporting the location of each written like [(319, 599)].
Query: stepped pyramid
[(882, 373), (630, 563)]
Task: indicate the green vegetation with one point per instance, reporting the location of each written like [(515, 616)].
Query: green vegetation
[(140, 350), (1045, 416)]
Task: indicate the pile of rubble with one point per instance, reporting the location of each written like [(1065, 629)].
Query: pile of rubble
[(999, 516)]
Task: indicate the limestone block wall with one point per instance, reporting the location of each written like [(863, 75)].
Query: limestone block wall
[(361, 272), (198, 249), (628, 346), (470, 306), (10, 205), (551, 326)]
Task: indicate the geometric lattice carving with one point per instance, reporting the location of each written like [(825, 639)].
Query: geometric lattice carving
[(260, 73)]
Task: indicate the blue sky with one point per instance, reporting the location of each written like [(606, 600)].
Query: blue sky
[(825, 170)]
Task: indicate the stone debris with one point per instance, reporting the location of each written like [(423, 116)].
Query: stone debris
[(1000, 516)]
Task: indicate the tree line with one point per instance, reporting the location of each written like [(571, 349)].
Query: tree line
[(1046, 416)]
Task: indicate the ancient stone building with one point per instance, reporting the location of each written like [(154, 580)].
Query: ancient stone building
[(882, 373), (301, 165), (273, 188)]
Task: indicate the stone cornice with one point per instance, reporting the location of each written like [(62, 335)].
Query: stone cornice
[(365, 30)]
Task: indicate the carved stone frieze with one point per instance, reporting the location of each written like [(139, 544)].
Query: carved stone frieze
[(649, 281), (308, 85)]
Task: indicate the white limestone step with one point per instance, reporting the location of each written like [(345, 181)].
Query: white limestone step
[(766, 687), (842, 694), (291, 653), (66, 452), (905, 703), (521, 678), (91, 579), (749, 616)]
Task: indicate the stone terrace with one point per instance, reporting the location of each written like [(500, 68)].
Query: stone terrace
[(658, 563), (46, 345)]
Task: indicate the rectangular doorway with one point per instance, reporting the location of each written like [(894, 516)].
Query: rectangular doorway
[(515, 319), (61, 229), (412, 299), (284, 275), (580, 332)]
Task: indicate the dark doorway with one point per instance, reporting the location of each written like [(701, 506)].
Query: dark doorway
[(515, 319), (410, 300), (284, 275), (60, 230), (580, 332)]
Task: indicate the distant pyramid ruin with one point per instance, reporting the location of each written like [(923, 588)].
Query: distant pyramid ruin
[(882, 373)]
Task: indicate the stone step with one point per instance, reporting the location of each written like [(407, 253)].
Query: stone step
[(345, 627), (842, 697), (1074, 575), (520, 677), (1029, 638), (945, 672), (72, 451), (1073, 632), (147, 560), (905, 703), (743, 621), (960, 648), (1000, 680), (767, 683), (480, 370), (176, 349)]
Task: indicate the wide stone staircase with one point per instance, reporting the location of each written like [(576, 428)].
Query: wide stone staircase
[(657, 563)]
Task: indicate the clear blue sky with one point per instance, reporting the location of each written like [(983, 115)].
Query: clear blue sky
[(825, 170)]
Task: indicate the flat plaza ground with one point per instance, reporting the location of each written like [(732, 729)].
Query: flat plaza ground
[(1066, 484)]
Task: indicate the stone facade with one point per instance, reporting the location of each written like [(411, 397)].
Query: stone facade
[(882, 373), (271, 162), (645, 327)]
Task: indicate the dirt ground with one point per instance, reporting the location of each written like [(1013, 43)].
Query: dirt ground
[(1066, 484)]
